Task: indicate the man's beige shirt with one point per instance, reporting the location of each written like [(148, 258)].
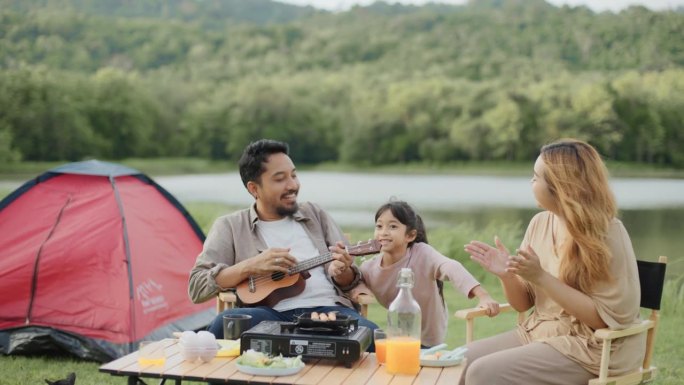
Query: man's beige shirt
[(234, 238)]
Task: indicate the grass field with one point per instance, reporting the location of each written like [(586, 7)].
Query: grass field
[(669, 350)]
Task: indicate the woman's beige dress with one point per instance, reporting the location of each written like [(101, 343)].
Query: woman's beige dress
[(617, 302)]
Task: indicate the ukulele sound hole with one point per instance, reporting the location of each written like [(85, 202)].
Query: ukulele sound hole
[(277, 275)]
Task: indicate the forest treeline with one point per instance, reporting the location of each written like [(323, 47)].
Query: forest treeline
[(490, 80)]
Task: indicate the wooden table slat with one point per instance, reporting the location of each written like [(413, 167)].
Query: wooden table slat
[(120, 363), (318, 370), (339, 374), (247, 377), (170, 364), (114, 365), (380, 377), (403, 379), (208, 369), (182, 368), (450, 375), (362, 372), (427, 376), (226, 371)]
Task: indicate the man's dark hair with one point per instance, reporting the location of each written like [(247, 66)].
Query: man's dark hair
[(255, 155)]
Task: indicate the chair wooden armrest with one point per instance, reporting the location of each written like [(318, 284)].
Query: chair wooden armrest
[(475, 312), (469, 315), (609, 334), (365, 299), (225, 300)]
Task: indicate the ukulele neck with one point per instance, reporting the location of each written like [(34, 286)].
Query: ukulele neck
[(311, 263)]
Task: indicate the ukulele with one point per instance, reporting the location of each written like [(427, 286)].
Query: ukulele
[(269, 289)]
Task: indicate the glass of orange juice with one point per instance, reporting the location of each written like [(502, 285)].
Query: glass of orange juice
[(151, 353), (403, 355), (380, 339)]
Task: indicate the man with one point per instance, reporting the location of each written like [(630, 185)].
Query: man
[(274, 234)]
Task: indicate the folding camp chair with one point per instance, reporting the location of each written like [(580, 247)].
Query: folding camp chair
[(652, 280)]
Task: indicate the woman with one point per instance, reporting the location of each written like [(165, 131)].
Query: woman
[(576, 267)]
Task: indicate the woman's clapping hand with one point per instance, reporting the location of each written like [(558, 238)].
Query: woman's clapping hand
[(526, 265), (492, 259)]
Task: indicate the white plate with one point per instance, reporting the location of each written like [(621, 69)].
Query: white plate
[(440, 363), (269, 371)]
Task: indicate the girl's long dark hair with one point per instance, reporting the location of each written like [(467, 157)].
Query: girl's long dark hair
[(408, 217)]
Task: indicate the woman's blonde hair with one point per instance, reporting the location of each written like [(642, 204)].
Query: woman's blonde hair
[(578, 180)]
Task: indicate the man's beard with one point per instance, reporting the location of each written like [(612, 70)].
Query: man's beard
[(287, 211)]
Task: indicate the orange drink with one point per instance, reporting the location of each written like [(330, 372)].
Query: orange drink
[(403, 355), (380, 340), (143, 361), (151, 353), (381, 350)]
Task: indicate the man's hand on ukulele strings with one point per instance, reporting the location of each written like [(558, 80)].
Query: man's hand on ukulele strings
[(273, 259)]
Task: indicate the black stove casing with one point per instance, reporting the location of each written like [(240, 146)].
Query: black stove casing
[(274, 338)]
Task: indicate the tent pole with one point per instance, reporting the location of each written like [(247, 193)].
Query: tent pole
[(36, 263), (127, 249)]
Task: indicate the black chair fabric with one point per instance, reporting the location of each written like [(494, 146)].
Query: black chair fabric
[(652, 280)]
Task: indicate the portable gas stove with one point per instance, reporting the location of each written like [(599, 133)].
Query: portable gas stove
[(342, 340)]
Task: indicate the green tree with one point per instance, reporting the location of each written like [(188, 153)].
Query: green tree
[(7, 153), (46, 117), (225, 123), (123, 114)]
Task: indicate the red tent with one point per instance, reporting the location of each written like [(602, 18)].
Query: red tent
[(95, 257)]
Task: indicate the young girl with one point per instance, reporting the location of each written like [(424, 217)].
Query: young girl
[(404, 244)]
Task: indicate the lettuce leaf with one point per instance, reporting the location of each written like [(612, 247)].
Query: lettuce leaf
[(260, 360)]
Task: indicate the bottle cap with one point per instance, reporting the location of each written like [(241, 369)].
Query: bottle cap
[(405, 278)]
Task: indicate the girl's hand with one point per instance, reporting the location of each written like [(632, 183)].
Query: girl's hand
[(491, 307), (526, 265), (490, 258)]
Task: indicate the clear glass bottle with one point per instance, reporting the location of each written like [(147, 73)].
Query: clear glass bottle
[(403, 328)]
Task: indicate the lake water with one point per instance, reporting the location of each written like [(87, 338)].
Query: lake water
[(351, 191), (652, 209)]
